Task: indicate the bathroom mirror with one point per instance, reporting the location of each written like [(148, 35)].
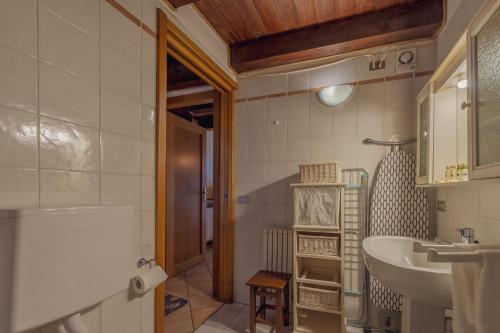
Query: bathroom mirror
[(484, 71), (442, 141)]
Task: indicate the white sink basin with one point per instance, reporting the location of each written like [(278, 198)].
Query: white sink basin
[(392, 261)]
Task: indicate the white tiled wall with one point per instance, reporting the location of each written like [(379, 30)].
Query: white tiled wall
[(77, 99), (275, 134), (472, 205)]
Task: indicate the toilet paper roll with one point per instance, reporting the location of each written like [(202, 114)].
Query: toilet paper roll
[(148, 280)]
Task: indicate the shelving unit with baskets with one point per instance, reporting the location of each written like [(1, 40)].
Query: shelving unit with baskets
[(318, 257)]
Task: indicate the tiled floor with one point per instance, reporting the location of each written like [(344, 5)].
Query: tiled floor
[(234, 318), (194, 285)]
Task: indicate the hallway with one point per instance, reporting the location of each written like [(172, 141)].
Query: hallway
[(194, 286)]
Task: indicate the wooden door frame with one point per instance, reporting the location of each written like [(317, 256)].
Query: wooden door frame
[(171, 40)]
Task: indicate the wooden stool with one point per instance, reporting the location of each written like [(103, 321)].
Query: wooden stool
[(273, 282), (273, 285)]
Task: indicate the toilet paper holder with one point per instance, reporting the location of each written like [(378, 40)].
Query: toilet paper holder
[(143, 261)]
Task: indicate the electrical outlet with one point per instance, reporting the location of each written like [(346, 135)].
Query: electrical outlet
[(441, 205), (377, 65)]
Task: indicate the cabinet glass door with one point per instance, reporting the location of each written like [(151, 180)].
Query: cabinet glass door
[(485, 91), (423, 139)]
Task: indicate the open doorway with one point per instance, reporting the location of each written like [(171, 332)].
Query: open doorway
[(194, 221), (191, 104)]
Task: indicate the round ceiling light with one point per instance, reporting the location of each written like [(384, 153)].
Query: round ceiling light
[(336, 95)]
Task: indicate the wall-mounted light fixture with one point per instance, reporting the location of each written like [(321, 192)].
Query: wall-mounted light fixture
[(336, 95)]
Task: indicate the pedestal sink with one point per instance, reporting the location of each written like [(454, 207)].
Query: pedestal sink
[(425, 286)]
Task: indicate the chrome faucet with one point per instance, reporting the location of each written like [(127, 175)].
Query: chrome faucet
[(467, 235)]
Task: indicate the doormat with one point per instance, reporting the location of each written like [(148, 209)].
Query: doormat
[(173, 303)]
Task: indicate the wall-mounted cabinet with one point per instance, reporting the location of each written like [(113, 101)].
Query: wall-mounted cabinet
[(442, 148), (484, 73)]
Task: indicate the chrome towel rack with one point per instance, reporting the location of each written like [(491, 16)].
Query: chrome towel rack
[(395, 145)]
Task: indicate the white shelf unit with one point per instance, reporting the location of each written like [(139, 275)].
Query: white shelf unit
[(319, 271)]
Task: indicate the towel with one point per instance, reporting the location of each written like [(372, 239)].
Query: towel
[(488, 293), (464, 278)]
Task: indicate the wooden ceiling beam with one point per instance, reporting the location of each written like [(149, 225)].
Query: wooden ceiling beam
[(417, 20), (180, 3), (181, 101)]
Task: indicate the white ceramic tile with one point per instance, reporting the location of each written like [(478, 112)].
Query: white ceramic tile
[(298, 81), (399, 95), (91, 319), (119, 32), (66, 46), (320, 148), (148, 158), (120, 74), (149, 13), (67, 146), (276, 150), (148, 123), (119, 312), (148, 324), (120, 154), (370, 108), (426, 57), (241, 112), (276, 171), (19, 188), (148, 228), (344, 146), (18, 138), (147, 303), (132, 6), (120, 114), (488, 205), (338, 73), (257, 111), (256, 131), (488, 231), (276, 84), (257, 151), (243, 132), (137, 231), (82, 13), (256, 86), (18, 83), (148, 87), (466, 198), (298, 116), (121, 190), (68, 188), (68, 97), (321, 118), (257, 172), (397, 121), (297, 149), (148, 52), (345, 117), (242, 152), (147, 193), (18, 25), (276, 118), (242, 88)]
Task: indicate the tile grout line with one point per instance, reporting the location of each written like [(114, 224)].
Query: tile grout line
[(37, 91)]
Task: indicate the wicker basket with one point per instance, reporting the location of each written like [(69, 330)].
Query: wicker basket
[(320, 173), (318, 245), (322, 298), (321, 274)]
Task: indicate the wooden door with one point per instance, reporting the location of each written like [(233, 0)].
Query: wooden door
[(186, 179)]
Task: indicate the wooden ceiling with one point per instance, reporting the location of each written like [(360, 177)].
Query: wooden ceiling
[(264, 33)]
